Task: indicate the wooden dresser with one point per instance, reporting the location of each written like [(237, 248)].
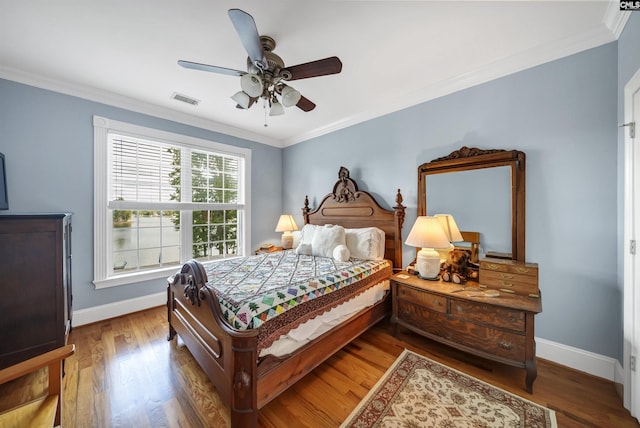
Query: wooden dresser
[(498, 328), (35, 282)]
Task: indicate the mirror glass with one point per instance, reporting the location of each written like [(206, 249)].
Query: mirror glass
[(479, 200)]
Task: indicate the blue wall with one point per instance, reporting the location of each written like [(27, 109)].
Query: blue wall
[(563, 116), (47, 139)]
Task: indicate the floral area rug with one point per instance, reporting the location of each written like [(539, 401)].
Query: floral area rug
[(419, 392)]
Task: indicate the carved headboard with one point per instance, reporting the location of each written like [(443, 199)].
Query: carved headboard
[(353, 208)]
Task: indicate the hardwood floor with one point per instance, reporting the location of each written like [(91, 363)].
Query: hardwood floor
[(125, 374)]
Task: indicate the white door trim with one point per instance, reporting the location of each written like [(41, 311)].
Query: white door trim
[(631, 263)]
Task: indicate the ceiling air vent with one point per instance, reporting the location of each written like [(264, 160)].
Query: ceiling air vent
[(185, 99)]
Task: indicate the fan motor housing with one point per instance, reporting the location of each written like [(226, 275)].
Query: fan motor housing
[(275, 64)]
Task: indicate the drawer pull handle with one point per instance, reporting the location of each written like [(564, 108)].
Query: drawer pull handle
[(437, 302), (507, 284), (507, 346), (506, 276), (492, 266), (522, 269)]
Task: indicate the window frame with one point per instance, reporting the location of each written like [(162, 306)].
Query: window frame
[(103, 272)]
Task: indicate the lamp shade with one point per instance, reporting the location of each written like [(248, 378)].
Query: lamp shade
[(242, 99), (286, 224), (427, 232), (276, 108), (290, 96), (450, 227), (251, 84)]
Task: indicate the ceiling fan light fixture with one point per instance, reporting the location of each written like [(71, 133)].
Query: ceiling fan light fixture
[(290, 96), (242, 99), (276, 108), (251, 84), (266, 72)]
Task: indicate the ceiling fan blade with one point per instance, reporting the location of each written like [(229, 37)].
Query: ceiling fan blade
[(210, 68), (305, 104), (248, 32), (321, 67)]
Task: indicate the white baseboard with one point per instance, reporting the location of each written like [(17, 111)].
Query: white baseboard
[(116, 309), (578, 359)]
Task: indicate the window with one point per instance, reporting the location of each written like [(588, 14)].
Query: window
[(161, 199)]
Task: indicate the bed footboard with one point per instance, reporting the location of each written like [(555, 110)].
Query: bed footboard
[(227, 356)]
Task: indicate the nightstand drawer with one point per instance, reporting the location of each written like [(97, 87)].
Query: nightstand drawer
[(435, 302), (494, 316)]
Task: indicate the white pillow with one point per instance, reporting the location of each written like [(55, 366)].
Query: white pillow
[(306, 234), (326, 239), (365, 243), (304, 249), (341, 253)]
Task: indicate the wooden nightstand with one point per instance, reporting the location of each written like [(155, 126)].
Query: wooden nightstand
[(497, 328), (268, 250)]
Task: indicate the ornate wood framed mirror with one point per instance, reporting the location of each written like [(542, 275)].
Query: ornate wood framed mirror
[(512, 184)]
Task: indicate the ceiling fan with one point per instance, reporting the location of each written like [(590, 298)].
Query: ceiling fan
[(266, 73)]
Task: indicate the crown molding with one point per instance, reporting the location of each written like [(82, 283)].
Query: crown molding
[(615, 19), (127, 103), (506, 66)]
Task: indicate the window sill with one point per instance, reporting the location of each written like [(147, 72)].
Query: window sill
[(135, 277)]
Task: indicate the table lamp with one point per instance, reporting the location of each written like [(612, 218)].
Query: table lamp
[(286, 224), (428, 235), (453, 233)]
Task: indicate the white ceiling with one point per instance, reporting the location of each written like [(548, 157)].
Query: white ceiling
[(394, 53)]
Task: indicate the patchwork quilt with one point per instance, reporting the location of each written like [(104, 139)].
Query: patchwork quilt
[(277, 291)]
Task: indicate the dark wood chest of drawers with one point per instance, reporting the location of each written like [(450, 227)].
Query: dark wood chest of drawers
[(498, 328), (35, 284)]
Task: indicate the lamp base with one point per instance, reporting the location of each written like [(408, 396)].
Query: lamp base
[(428, 263), (437, 278), (287, 240)]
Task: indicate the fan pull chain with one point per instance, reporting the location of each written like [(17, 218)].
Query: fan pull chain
[(264, 107)]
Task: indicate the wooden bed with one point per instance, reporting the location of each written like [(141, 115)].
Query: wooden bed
[(229, 356)]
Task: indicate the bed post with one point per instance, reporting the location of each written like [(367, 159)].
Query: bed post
[(244, 391), (306, 210), (399, 221)]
